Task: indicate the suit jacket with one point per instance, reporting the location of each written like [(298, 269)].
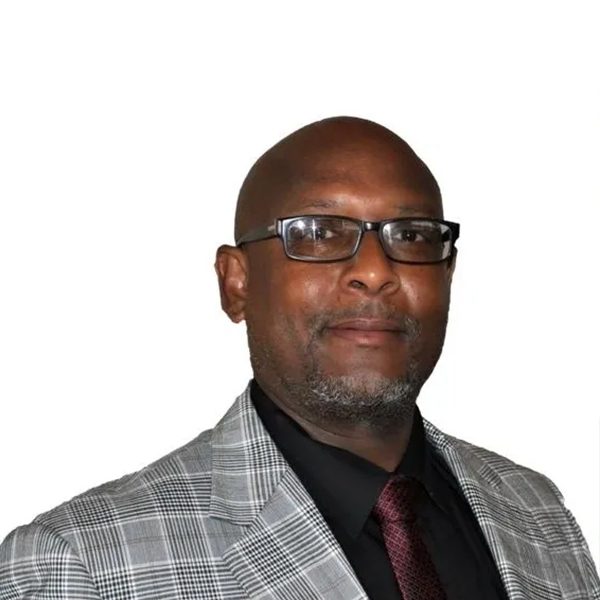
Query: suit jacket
[(225, 517)]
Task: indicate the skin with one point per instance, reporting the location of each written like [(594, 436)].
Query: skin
[(357, 168)]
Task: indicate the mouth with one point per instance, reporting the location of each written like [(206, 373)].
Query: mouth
[(368, 332)]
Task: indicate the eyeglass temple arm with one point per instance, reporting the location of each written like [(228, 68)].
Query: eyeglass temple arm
[(260, 233), (452, 233), (455, 231)]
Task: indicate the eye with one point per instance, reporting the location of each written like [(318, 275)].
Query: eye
[(412, 235), (320, 232), (312, 232)]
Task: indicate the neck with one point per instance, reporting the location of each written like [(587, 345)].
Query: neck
[(385, 451)]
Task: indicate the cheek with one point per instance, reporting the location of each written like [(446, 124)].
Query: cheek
[(427, 292), (303, 292), (427, 298), (284, 294)]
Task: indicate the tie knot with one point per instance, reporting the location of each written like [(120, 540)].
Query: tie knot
[(397, 500)]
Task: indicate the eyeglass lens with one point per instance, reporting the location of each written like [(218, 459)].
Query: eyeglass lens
[(335, 238)]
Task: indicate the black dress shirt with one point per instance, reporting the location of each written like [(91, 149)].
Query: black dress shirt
[(345, 488)]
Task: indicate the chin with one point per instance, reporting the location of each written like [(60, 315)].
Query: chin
[(368, 399), (363, 374), (367, 381)]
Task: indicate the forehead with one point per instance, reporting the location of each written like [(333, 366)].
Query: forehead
[(366, 194), (366, 175)]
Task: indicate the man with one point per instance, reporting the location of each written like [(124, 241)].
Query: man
[(322, 480)]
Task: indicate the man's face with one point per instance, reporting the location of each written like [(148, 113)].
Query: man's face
[(361, 322)]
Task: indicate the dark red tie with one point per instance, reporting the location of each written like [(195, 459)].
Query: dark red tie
[(414, 570)]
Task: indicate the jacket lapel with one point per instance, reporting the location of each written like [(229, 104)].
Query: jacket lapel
[(285, 549), (516, 540)]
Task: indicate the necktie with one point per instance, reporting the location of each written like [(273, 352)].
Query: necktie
[(414, 570)]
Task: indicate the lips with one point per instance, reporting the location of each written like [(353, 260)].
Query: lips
[(366, 324), (368, 332)]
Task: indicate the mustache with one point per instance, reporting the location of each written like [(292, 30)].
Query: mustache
[(409, 325)]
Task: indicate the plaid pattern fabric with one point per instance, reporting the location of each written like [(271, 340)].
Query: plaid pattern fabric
[(225, 517)]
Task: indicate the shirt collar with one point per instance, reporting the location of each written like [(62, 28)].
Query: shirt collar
[(344, 486)]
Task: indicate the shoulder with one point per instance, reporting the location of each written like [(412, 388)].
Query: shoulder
[(113, 514), (466, 459), (179, 477), (521, 508), (35, 562)]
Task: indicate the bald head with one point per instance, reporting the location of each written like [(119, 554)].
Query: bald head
[(339, 149)]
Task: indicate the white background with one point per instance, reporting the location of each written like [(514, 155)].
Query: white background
[(126, 129)]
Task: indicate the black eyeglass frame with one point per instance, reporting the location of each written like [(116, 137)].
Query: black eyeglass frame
[(279, 226)]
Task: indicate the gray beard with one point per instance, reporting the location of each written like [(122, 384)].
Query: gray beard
[(373, 402), (370, 401)]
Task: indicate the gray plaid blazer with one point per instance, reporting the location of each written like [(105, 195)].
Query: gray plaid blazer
[(225, 517)]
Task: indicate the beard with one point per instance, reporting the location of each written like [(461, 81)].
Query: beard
[(365, 399), (370, 401)]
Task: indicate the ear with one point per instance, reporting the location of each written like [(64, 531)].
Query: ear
[(232, 270)]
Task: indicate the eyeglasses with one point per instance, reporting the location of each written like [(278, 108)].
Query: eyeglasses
[(327, 238)]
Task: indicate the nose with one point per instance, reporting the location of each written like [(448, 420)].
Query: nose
[(370, 271)]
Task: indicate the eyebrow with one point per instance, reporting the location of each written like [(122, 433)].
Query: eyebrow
[(321, 204), (329, 203)]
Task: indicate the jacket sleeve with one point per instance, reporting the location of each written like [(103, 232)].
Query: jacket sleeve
[(38, 564)]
